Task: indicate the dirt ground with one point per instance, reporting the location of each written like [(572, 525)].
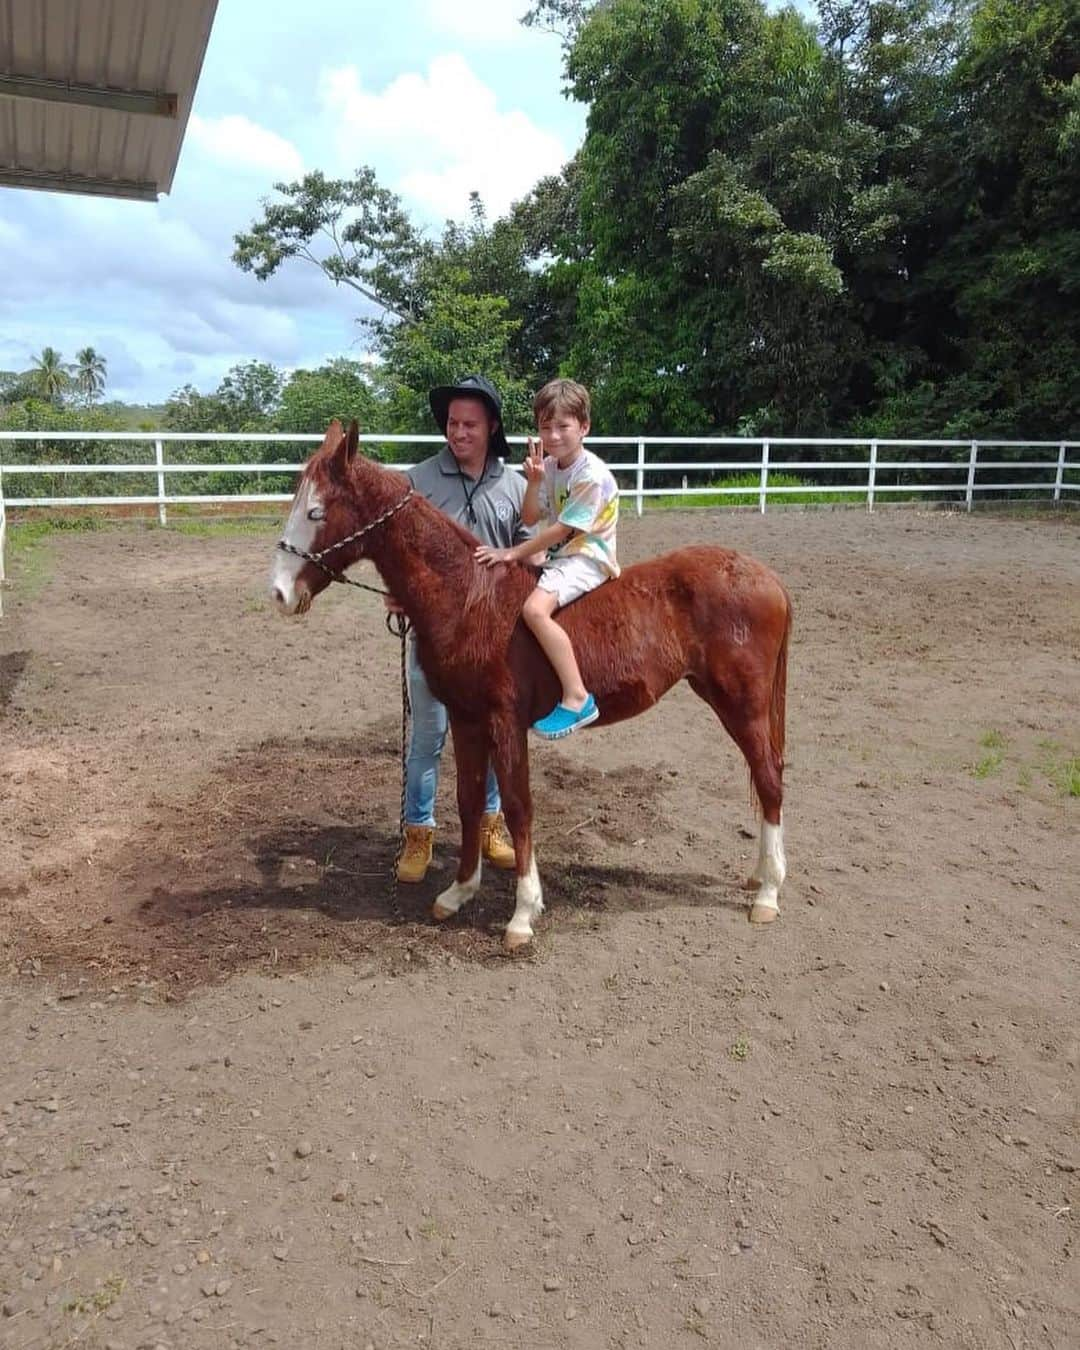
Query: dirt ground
[(249, 1097)]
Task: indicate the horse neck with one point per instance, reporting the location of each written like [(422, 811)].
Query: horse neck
[(424, 560), (428, 566)]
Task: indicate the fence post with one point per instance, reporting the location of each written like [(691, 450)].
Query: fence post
[(159, 455), (1059, 478), (972, 459), (640, 476), (871, 477), (764, 475), (3, 534)]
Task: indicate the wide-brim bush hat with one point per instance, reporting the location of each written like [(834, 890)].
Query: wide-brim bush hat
[(471, 386)]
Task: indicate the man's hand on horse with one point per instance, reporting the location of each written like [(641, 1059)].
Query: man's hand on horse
[(534, 461), (491, 556)]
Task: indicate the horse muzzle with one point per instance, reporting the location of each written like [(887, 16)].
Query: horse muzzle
[(290, 597)]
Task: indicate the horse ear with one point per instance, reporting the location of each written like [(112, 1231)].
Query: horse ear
[(352, 439), (333, 436)]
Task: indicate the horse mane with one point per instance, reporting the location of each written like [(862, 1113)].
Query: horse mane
[(492, 597)]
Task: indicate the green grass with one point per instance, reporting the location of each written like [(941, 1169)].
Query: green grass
[(1066, 776), (1054, 765), (28, 554), (993, 743), (752, 496), (1062, 770), (221, 528), (99, 1300), (741, 1049)]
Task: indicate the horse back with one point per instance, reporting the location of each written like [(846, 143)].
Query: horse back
[(662, 621)]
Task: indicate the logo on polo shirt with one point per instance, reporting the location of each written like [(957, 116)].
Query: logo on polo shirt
[(504, 510)]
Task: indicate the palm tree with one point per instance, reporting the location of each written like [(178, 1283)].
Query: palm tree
[(50, 375), (89, 374)]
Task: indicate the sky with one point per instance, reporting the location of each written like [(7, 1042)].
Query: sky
[(439, 97)]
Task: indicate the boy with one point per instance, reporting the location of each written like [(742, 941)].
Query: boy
[(575, 490)]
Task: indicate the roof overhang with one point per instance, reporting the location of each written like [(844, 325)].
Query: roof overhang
[(95, 95)]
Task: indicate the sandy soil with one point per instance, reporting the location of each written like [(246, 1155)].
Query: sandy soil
[(250, 1096)]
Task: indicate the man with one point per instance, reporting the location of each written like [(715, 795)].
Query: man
[(467, 480)]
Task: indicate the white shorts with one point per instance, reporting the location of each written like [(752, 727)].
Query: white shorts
[(571, 577)]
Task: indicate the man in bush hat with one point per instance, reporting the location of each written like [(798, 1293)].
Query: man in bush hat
[(469, 481)]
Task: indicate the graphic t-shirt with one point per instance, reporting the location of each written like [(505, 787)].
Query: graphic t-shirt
[(586, 497)]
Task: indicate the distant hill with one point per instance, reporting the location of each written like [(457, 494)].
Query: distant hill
[(135, 416)]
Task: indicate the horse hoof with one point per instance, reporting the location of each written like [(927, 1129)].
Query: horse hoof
[(513, 942), (439, 913), (763, 913)]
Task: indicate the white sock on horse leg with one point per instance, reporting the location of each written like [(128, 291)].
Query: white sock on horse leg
[(529, 906), (461, 892), (771, 866)]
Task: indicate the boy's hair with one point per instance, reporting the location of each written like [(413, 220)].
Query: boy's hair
[(562, 396)]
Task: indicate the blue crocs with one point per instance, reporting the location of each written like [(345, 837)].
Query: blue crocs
[(561, 721)]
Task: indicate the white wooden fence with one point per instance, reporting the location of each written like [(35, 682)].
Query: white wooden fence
[(974, 468)]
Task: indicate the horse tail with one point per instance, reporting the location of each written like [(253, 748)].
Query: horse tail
[(778, 700)]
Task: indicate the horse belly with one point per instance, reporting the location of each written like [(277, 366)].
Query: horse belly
[(629, 655)]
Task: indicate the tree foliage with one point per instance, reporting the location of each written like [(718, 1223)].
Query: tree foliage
[(869, 223)]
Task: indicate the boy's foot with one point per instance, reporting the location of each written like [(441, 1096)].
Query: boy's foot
[(561, 721)]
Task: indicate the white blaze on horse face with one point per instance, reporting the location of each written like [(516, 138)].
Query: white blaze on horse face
[(301, 532)]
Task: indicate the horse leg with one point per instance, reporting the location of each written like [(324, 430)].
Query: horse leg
[(750, 732), (511, 757), (471, 758)]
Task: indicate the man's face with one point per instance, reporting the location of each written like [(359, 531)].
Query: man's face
[(468, 427)]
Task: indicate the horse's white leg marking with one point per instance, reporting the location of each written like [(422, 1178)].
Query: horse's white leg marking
[(448, 902), (769, 873), (300, 532), (529, 906)]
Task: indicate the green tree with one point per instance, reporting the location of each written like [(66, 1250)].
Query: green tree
[(247, 399), (354, 231), (50, 375), (443, 307), (459, 333), (311, 399), (89, 374), (1007, 251)]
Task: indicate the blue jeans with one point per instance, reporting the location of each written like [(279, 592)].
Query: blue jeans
[(429, 727)]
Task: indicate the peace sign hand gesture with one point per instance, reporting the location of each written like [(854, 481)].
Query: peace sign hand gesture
[(534, 461)]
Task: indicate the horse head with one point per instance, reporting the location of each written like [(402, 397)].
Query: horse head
[(322, 520)]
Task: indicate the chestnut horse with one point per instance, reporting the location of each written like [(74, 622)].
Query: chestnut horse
[(710, 616)]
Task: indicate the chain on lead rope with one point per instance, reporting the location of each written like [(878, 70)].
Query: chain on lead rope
[(399, 625)]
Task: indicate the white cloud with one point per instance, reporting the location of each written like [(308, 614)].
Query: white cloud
[(445, 135), (237, 141), (478, 20)]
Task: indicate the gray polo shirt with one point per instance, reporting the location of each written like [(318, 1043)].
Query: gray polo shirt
[(496, 501)]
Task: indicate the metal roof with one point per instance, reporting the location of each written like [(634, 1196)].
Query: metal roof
[(95, 94)]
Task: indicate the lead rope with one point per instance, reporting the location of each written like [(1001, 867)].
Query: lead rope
[(399, 625)]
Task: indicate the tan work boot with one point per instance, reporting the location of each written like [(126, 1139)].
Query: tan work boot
[(416, 855), (495, 842)]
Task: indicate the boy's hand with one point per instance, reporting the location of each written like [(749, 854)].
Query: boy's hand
[(491, 556), (534, 461)]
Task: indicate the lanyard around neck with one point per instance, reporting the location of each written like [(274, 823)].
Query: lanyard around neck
[(470, 510)]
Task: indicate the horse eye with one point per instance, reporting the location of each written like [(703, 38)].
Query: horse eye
[(316, 513)]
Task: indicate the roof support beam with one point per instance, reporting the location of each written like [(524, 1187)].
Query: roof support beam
[(88, 95), (73, 182)]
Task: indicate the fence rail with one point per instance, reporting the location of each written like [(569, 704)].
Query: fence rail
[(976, 475)]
